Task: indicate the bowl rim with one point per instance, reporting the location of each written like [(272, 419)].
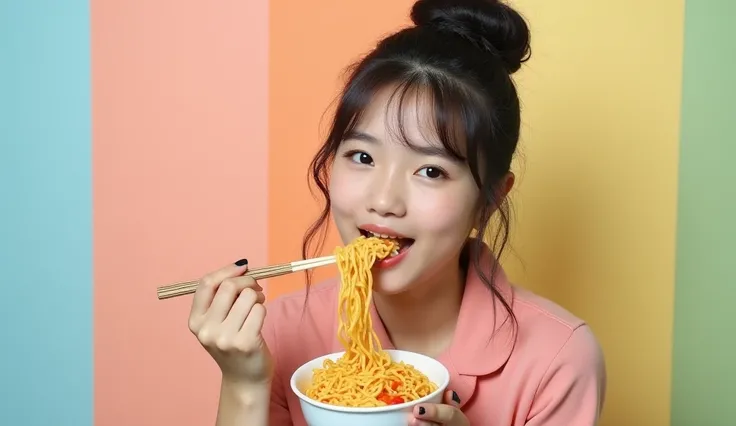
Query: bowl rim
[(441, 388)]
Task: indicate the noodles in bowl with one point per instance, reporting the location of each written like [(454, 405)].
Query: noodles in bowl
[(323, 414), (364, 379)]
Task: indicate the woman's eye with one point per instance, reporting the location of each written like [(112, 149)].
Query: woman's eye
[(361, 158), (431, 172)]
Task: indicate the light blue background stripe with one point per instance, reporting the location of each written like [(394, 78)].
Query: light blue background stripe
[(46, 377)]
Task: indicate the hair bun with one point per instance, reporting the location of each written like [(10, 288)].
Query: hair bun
[(489, 24)]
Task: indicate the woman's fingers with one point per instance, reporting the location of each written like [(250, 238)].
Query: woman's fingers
[(209, 285), (240, 310), (226, 295), (250, 334)]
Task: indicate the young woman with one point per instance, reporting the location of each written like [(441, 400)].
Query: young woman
[(420, 148)]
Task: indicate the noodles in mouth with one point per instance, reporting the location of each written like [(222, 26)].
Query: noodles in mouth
[(365, 376)]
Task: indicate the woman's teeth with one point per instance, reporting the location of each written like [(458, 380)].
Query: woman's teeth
[(384, 236), (393, 239)]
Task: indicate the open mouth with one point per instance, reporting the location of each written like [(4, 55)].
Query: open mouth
[(402, 243)]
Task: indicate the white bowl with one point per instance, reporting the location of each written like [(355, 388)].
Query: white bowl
[(320, 414)]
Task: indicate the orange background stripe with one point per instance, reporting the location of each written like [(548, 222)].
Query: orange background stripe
[(311, 45)]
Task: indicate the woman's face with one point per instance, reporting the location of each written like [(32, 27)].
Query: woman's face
[(419, 192)]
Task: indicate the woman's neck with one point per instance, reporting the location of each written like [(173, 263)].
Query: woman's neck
[(423, 320)]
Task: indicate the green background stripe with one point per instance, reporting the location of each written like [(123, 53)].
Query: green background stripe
[(704, 357)]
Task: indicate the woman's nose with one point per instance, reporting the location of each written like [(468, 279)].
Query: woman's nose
[(386, 196)]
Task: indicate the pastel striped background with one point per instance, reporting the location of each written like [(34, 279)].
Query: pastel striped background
[(148, 142)]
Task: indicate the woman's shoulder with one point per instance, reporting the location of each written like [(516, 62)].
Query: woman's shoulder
[(544, 323), (541, 311), (548, 330)]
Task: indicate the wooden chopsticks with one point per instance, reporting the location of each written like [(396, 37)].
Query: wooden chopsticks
[(189, 287)]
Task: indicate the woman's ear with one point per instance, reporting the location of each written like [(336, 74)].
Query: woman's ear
[(505, 186)]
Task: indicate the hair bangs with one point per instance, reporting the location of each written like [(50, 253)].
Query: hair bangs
[(450, 116)]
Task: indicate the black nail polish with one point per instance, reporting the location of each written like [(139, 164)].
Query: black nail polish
[(422, 411), (241, 262), (455, 397)]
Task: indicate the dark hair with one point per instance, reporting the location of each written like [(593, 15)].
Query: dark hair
[(462, 53)]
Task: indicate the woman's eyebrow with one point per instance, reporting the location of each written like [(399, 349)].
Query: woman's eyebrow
[(360, 136)]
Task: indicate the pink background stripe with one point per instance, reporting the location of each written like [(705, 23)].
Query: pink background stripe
[(180, 165)]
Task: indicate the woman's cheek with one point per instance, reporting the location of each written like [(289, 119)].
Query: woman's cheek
[(444, 211), (345, 193)]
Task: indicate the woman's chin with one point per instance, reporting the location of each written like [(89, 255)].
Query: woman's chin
[(389, 283)]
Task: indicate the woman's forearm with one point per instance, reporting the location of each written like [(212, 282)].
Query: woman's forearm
[(243, 404)]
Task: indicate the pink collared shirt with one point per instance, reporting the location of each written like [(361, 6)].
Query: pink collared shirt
[(553, 375)]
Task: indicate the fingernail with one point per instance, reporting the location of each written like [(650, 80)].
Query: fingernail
[(422, 411), (241, 262), (455, 397)]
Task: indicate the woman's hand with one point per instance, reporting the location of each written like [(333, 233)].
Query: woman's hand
[(447, 414), (227, 316)]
